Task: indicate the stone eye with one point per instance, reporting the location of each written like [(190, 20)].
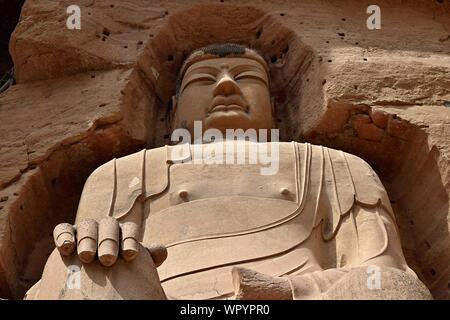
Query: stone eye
[(204, 77), (247, 75)]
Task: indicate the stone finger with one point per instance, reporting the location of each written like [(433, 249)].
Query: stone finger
[(158, 253), (108, 244), (64, 237), (87, 234), (130, 244)]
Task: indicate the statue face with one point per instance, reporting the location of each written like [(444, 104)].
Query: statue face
[(224, 93)]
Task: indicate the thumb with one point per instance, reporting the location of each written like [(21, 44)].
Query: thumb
[(158, 253)]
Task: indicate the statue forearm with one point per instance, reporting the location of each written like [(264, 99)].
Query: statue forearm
[(376, 270), (366, 283)]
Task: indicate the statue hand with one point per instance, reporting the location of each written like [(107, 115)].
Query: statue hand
[(103, 239)]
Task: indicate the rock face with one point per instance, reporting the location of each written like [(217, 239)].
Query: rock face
[(86, 96)]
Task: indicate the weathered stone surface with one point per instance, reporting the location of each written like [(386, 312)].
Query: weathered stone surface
[(47, 126), (112, 35), (251, 285), (54, 113)]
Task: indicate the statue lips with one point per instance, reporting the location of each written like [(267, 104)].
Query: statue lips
[(229, 103)]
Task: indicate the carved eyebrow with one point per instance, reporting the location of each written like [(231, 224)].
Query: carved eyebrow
[(248, 67), (195, 77), (214, 70), (260, 73), (203, 69)]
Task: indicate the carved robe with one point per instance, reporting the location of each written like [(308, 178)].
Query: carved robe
[(302, 219)]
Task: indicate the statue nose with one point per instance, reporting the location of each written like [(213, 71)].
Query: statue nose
[(226, 86)]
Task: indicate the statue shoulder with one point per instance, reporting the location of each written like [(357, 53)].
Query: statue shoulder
[(344, 165), (367, 187), (345, 176), (341, 179), (113, 188)]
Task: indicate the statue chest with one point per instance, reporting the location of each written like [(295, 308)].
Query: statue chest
[(219, 214), (205, 199), (191, 182)]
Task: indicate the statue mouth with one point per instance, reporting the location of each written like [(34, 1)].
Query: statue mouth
[(230, 107), (231, 103)]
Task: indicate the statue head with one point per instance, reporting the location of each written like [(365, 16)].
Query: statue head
[(226, 86)]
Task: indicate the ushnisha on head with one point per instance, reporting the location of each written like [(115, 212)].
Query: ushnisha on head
[(226, 86)]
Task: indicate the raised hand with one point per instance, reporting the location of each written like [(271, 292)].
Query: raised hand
[(104, 239)]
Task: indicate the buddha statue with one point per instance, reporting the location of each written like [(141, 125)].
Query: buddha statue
[(161, 224)]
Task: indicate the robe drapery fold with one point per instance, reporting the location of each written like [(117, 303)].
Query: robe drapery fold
[(330, 184)]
